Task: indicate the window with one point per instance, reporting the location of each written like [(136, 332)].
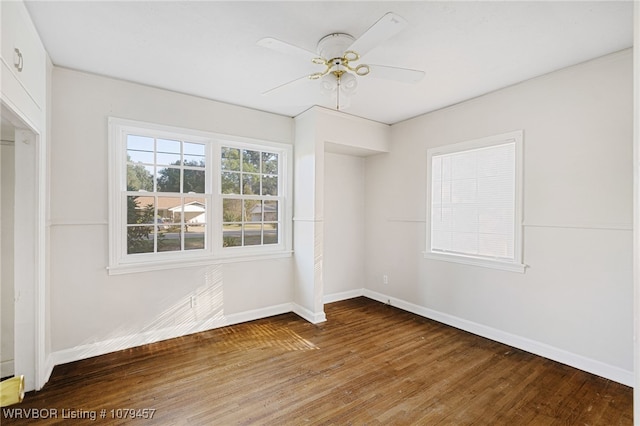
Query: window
[(181, 197), (250, 197), (474, 202), (166, 194)]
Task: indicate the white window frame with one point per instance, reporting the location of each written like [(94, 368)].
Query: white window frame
[(281, 198), (515, 264), (120, 262)]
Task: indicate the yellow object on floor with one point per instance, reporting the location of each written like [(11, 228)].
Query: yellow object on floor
[(11, 391)]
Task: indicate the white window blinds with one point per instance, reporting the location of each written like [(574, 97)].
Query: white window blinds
[(474, 202)]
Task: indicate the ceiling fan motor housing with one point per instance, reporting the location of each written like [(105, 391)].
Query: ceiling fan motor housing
[(334, 45)]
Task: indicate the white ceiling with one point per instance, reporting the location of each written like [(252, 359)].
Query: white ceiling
[(208, 48)]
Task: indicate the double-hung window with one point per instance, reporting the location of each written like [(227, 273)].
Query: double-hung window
[(180, 197), (474, 204), (250, 196)]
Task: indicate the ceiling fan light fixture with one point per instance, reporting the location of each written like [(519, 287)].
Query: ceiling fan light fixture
[(328, 85), (340, 85), (347, 84)]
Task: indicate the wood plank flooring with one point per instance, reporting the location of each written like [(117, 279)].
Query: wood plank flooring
[(368, 364)]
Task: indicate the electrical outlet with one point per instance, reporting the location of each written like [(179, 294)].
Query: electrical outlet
[(385, 279)]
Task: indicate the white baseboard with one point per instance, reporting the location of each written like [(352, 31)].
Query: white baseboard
[(45, 375), (312, 317), (538, 348), (336, 297), (7, 368), (126, 342)]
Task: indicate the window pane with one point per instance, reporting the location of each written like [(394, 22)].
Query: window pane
[(230, 183), (194, 161), (231, 210), (195, 216), (168, 179), (169, 211), (252, 234), (139, 239), (140, 210), (194, 236), (230, 159), (168, 146), (194, 181), (194, 154), (139, 177), (270, 233), (191, 148), (170, 240), (270, 163), (195, 211), (253, 211), (232, 235), (250, 184), (139, 143), (168, 159), (270, 211), (269, 185), (250, 161), (140, 156)]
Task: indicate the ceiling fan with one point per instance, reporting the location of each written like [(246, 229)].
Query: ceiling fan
[(338, 52)]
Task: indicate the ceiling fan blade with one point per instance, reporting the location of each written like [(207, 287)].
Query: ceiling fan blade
[(286, 48), (386, 27), (283, 85), (403, 75)]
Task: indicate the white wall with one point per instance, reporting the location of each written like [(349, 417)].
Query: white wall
[(92, 312), (344, 216), (7, 182), (574, 303), (318, 131), (636, 204)]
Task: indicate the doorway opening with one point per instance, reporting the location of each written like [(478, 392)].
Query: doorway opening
[(22, 250), (7, 206)]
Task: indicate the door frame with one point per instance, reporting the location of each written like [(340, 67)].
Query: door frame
[(30, 260)]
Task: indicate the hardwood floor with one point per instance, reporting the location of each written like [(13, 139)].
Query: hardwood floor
[(368, 364)]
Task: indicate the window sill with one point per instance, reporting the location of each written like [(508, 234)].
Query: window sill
[(475, 261), (131, 268)]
